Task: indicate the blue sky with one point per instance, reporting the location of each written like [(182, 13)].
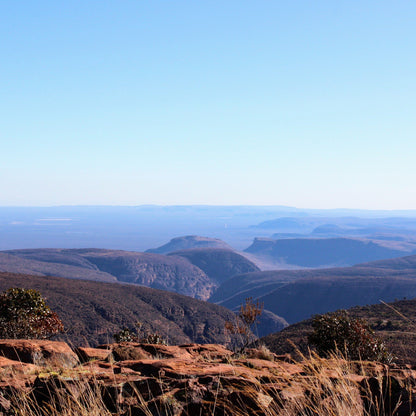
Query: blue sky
[(301, 103)]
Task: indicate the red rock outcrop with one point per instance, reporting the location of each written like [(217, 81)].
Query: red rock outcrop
[(198, 380), (39, 352)]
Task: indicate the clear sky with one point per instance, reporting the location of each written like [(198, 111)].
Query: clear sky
[(301, 103)]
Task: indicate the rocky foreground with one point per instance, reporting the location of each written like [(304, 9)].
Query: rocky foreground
[(193, 379)]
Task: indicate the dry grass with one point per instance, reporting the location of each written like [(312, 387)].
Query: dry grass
[(81, 401), (326, 387)]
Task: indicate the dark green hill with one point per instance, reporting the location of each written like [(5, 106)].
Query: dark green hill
[(395, 323), (217, 263), (93, 311)]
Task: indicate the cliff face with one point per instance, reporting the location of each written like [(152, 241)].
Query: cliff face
[(154, 270), (175, 274), (192, 379), (218, 264)]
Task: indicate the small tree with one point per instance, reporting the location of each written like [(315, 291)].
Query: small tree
[(247, 317), (352, 336), (25, 314)]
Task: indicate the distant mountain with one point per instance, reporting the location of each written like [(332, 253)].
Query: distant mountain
[(218, 264), (189, 242), (381, 228), (394, 323), (321, 252), (307, 222), (153, 270), (296, 295), (304, 224), (93, 311)]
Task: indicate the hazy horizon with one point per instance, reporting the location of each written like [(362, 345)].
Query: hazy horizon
[(274, 206), (139, 228)]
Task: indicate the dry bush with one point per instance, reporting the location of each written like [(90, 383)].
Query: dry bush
[(247, 317)]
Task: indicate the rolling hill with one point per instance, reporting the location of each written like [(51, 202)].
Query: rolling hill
[(93, 311)]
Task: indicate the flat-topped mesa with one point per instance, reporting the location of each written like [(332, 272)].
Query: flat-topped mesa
[(189, 242)]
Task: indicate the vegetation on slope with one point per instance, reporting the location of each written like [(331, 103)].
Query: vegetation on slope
[(394, 323), (93, 311)]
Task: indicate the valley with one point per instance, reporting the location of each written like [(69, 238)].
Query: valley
[(300, 264)]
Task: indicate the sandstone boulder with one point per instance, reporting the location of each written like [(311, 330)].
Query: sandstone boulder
[(39, 352), (89, 354)]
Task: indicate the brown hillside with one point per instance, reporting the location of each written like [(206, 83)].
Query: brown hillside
[(93, 311)]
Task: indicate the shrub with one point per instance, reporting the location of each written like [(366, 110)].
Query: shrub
[(125, 335), (25, 314), (351, 336), (154, 339), (138, 335)]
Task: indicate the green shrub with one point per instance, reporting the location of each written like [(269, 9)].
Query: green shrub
[(125, 335), (353, 337), (25, 314), (138, 335)]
